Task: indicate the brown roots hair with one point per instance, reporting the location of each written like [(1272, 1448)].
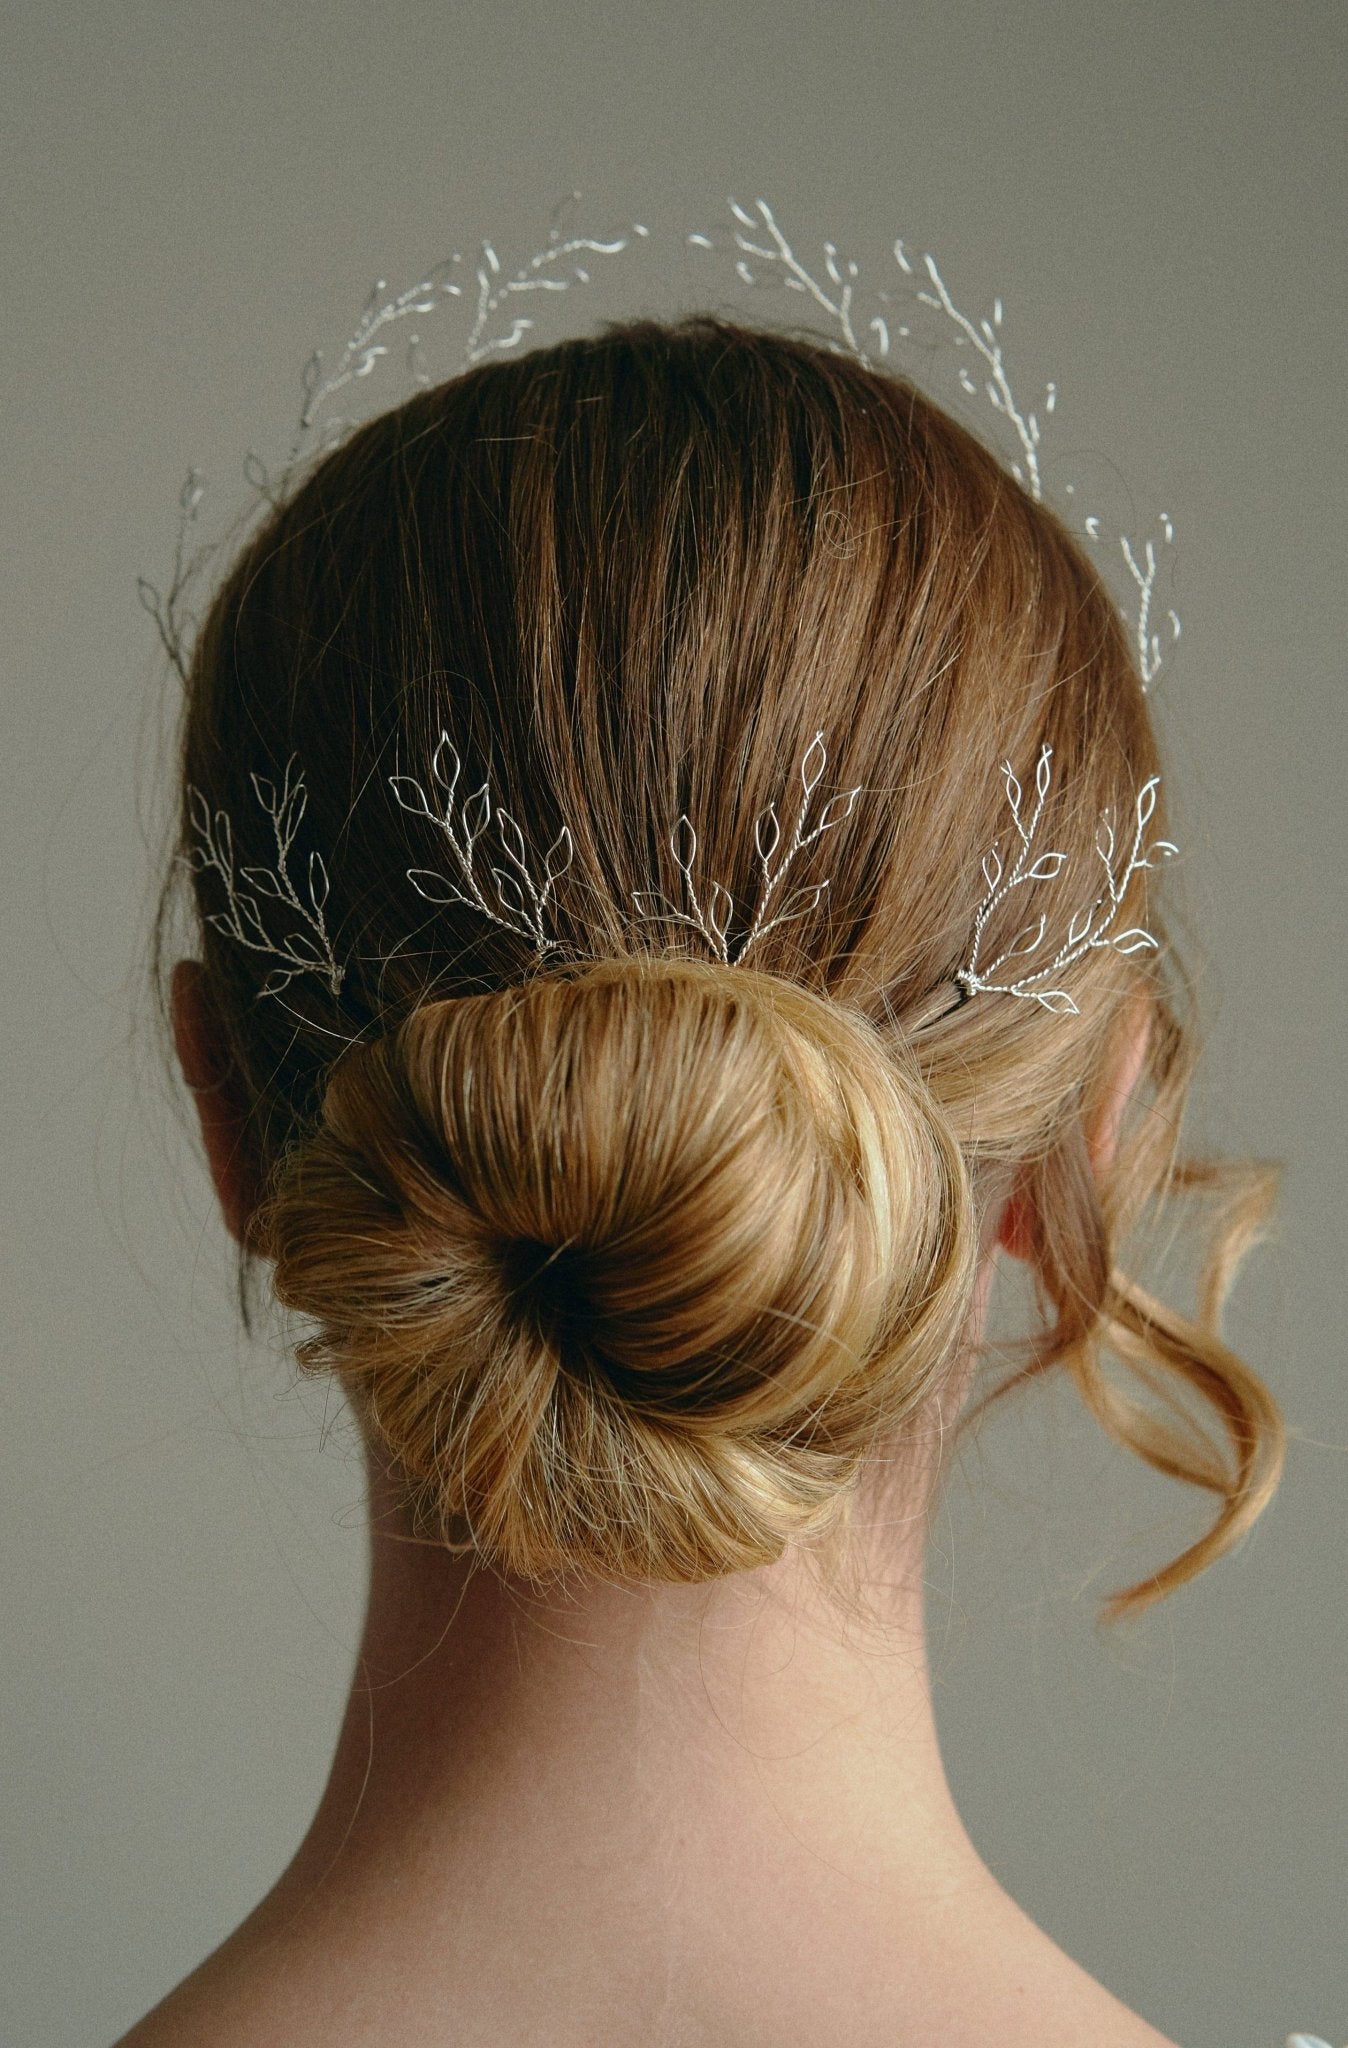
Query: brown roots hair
[(628, 1256)]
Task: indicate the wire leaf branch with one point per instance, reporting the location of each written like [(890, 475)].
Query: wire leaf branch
[(984, 337), (363, 349), (1143, 572), (306, 949), (713, 918), (1089, 928), (175, 623), (494, 304), (520, 903), (560, 264)]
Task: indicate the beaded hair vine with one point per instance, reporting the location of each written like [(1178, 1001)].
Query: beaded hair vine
[(273, 911)]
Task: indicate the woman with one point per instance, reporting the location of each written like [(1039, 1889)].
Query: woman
[(675, 834)]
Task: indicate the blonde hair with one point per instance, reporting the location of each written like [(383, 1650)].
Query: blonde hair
[(629, 1257), (691, 1234)]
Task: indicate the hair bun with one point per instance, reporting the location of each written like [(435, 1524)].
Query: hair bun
[(627, 1267)]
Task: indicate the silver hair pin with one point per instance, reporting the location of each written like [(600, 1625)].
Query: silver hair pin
[(713, 918), (521, 903), (1092, 927), (305, 950)]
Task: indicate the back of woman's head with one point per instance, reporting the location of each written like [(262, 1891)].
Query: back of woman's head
[(590, 773)]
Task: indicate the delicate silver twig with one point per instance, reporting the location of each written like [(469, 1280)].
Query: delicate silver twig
[(841, 272), (521, 903), (1144, 576), (175, 624), (538, 274), (836, 295), (371, 340), (997, 386), (363, 350), (713, 919), (1089, 928), (307, 951), (762, 246)]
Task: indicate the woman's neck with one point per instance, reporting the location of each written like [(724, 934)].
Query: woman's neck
[(614, 1721), (678, 1817)]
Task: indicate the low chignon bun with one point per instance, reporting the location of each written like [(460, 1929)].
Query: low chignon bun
[(627, 1267)]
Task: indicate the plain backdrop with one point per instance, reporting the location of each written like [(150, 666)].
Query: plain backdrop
[(195, 196)]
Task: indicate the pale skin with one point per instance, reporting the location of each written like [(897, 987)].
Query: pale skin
[(706, 1817)]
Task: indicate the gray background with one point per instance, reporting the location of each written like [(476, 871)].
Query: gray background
[(197, 194)]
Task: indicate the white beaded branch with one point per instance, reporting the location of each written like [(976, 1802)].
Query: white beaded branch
[(762, 248), (302, 951), (762, 253), (1089, 928), (555, 268), (495, 287), (539, 274), (521, 903), (713, 918)]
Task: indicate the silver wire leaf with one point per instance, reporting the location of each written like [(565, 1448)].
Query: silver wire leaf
[(838, 809), (476, 814), (412, 796), (722, 910), (1030, 939), (683, 842), (434, 887), (650, 903), (512, 839), (561, 845), (509, 891), (766, 840), (445, 751)]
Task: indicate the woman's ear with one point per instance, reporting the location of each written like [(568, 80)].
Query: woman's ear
[(210, 1073), (1016, 1231)]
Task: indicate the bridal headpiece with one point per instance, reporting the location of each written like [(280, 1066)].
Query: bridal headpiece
[(487, 866)]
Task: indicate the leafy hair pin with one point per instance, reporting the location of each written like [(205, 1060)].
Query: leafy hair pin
[(521, 903), (1090, 928), (304, 950), (713, 918)]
